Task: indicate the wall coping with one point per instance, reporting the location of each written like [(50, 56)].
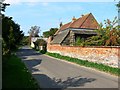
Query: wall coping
[(96, 46), (87, 46)]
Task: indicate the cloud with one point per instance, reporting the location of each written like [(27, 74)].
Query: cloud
[(12, 1), (35, 1), (45, 4), (21, 1), (28, 2)]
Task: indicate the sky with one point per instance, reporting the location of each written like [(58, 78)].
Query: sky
[(49, 14)]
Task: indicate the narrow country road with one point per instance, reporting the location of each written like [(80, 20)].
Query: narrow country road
[(53, 73)]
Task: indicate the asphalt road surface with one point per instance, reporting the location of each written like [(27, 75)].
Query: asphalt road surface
[(54, 73)]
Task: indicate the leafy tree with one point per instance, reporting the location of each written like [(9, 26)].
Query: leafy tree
[(51, 32), (25, 40), (3, 6), (40, 42), (33, 32), (106, 36), (118, 5), (11, 35)]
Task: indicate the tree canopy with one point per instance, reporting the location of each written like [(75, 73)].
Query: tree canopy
[(34, 31), (106, 36), (11, 34), (118, 5), (51, 32)]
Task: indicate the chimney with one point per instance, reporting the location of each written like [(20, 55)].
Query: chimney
[(73, 19), (82, 15), (61, 24)]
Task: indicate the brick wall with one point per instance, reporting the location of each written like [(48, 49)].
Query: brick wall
[(105, 55)]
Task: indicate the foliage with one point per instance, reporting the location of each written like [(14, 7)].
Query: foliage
[(118, 5), (16, 75), (43, 51), (25, 40), (79, 41), (11, 35), (3, 6), (101, 67), (106, 36), (34, 31), (40, 42), (50, 33)]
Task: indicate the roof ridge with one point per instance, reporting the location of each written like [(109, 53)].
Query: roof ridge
[(85, 19), (69, 25), (73, 21)]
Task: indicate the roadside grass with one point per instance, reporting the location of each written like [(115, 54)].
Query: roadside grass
[(101, 67), (16, 75)]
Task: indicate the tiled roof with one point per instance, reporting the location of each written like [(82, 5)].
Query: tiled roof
[(63, 27), (87, 21)]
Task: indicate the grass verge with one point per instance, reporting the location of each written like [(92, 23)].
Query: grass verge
[(101, 67), (16, 75)]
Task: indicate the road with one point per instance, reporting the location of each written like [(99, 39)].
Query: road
[(54, 73)]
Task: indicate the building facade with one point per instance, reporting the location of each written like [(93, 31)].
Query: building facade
[(82, 27)]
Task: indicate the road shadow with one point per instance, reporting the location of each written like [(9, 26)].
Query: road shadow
[(61, 84), (27, 52), (31, 64), (23, 53)]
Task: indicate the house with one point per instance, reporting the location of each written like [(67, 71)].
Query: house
[(82, 27), (42, 42), (33, 40)]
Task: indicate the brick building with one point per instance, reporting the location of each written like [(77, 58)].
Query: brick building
[(82, 27)]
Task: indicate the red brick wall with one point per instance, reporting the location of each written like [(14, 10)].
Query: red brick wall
[(106, 55)]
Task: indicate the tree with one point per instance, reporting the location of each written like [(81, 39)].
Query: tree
[(106, 36), (11, 35), (25, 40), (34, 31), (3, 6), (51, 32), (118, 5)]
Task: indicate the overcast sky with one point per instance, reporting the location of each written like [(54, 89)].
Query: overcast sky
[(50, 14)]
